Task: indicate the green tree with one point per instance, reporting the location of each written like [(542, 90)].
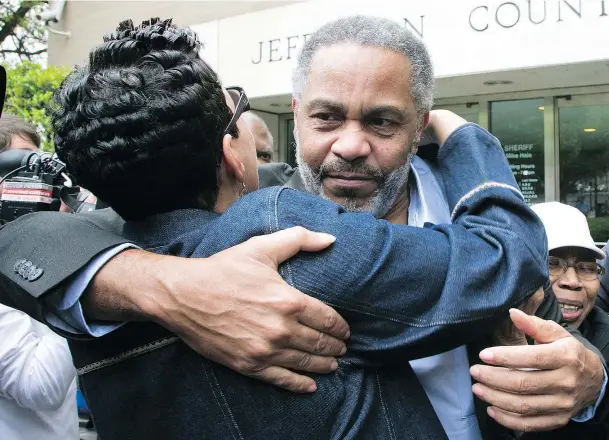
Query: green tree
[(28, 95), (22, 35)]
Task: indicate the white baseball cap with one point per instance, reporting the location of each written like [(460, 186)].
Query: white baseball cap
[(566, 226)]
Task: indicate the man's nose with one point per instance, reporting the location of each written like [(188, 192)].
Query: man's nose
[(570, 280), (352, 142)]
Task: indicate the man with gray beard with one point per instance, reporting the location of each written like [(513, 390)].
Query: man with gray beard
[(363, 91), (356, 141)]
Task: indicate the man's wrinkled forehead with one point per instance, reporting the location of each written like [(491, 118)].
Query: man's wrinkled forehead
[(359, 78)]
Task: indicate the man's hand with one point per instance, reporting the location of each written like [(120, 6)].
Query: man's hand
[(565, 378), (233, 307), (507, 333)]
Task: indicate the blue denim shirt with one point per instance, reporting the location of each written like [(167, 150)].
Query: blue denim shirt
[(407, 293)]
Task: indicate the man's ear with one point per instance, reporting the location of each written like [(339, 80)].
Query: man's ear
[(295, 111), (425, 122), (232, 164)]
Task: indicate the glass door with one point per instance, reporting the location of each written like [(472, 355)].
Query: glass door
[(583, 156), (519, 125)]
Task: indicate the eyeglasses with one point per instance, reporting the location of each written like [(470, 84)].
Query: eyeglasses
[(585, 270), (242, 104)]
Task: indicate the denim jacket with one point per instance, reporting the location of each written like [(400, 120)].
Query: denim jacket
[(406, 292)]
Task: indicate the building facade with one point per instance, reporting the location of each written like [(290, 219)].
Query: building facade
[(534, 72)]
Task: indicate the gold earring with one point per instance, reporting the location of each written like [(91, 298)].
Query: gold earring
[(243, 190)]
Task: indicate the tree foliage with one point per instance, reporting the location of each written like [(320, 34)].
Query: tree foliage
[(22, 35), (599, 228), (28, 95)]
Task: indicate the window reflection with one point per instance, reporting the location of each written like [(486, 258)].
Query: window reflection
[(584, 163)]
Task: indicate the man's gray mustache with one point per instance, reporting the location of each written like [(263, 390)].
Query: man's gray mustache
[(334, 168)]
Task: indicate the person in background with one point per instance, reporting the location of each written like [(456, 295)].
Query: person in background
[(262, 137), (37, 381), (574, 274), (37, 376), (15, 134), (583, 206)]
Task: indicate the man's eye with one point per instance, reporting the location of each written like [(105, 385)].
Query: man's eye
[(381, 122), (326, 117), (588, 268)]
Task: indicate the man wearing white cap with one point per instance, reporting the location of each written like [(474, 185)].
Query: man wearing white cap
[(574, 274)]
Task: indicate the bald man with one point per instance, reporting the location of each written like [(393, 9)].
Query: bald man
[(262, 137)]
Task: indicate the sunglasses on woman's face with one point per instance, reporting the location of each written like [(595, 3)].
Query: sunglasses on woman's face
[(242, 104)]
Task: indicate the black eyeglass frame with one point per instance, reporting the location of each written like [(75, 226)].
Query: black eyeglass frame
[(564, 265), (241, 106)]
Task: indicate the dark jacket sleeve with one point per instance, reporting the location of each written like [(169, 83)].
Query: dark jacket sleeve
[(596, 331), (602, 300), (60, 244)]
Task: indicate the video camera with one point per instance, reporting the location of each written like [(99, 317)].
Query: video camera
[(36, 181)]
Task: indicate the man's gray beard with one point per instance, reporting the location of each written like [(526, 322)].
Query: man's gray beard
[(390, 185)]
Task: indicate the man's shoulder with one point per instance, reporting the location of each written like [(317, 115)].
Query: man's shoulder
[(273, 196), (270, 206), (274, 174), (102, 216), (280, 174)]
